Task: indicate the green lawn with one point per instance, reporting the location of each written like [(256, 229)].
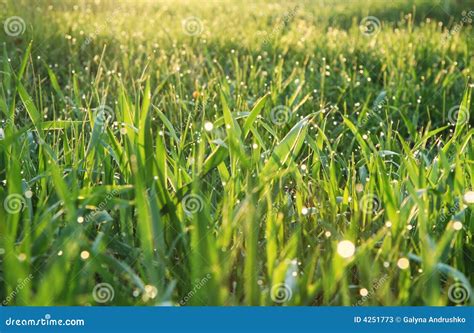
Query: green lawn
[(236, 152)]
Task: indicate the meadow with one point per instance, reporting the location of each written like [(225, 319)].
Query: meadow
[(236, 153)]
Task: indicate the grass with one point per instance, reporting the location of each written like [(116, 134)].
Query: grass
[(237, 153)]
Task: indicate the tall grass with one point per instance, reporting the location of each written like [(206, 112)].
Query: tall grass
[(236, 153)]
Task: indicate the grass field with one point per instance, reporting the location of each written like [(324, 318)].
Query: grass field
[(236, 153)]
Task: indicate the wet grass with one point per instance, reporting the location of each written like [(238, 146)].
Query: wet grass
[(237, 153)]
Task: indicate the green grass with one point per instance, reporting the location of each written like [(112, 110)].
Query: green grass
[(228, 167)]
